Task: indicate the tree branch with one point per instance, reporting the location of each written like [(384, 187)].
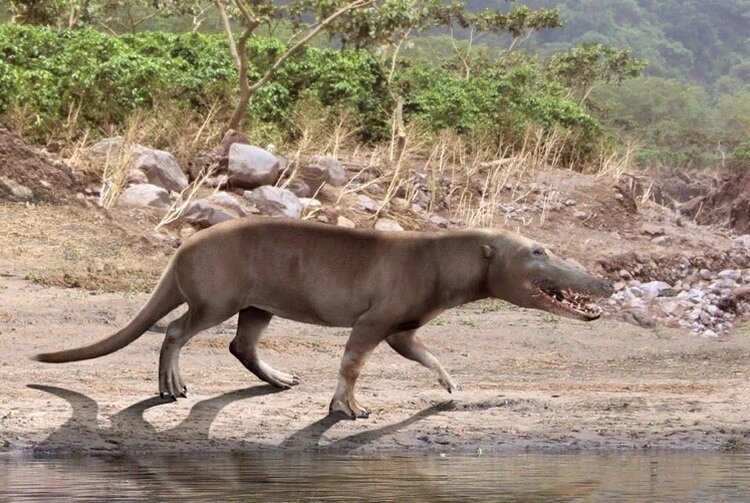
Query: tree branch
[(228, 30)]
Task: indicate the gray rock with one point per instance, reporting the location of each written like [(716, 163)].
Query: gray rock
[(274, 201), (742, 241), (215, 209), (146, 194), (15, 191), (250, 167), (136, 176), (653, 230), (299, 188), (705, 274), (159, 166), (388, 225), (323, 169), (655, 289), (730, 274), (639, 316), (161, 169), (230, 138), (366, 203), (580, 215), (310, 203), (342, 221), (112, 148), (439, 221)]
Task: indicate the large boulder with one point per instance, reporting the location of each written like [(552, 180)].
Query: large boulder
[(145, 194), (160, 167), (275, 201), (215, 209), (250, 167), (230, 138), (323, 169)]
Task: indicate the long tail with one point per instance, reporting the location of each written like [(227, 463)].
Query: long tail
[(165, 297)]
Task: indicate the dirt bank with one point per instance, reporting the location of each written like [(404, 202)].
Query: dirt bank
[(531, 381)]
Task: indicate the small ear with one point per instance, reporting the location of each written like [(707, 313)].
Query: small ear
[(487, 251)]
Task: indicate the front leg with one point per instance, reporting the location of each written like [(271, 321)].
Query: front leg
[(362, 341), (408, 345)]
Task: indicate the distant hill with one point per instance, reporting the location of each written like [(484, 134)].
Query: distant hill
[(698, 41)]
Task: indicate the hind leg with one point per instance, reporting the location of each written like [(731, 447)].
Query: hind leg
[(179, 333), (244, 347)]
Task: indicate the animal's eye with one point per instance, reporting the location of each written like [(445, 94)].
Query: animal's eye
[(539, 252)]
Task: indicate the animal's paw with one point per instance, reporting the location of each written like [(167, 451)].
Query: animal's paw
[(450, 384), (349, 407)]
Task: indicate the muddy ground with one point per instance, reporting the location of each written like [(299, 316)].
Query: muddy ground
[(531, 381)]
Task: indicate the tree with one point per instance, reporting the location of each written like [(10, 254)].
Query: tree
[(589, 66), (264, 12)]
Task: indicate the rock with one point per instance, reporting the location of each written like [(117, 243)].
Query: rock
[(653, 230), (366, 203), (709, 334), (159, 166), (310, 203), (730, 274), (674, 308), (742, 241), (274, 201), (230, 138), (439, 221), (342, 221), (299, 188), (705, 274), (111, 148), (388, 225), (400, 203), (580, 215), (323, 169), (421, 199), (215, 209), (186, 232), (570, 202), (638, 316), (251, 167), (136, 176), (15, 191), (654, 289), (146, 194), (161, 169)]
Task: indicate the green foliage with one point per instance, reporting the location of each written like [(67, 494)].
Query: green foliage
[(741, 155), (589, 65), (105, 78)]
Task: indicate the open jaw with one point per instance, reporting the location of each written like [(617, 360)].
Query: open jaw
[(571, 303)]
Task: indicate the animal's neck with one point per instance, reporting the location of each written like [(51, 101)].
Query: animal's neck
[(464, 279)]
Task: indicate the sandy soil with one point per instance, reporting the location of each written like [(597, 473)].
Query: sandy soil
[(531, 381)]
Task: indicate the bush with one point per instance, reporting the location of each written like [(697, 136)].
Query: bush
[(105, 78)]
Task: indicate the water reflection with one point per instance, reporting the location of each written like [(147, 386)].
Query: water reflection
[(518, 478), (277, 475)]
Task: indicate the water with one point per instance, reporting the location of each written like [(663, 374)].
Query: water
[(696, 477)]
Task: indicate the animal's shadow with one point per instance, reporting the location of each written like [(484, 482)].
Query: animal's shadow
[(83, 432)]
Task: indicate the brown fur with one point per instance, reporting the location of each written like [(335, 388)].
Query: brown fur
[(383, 285)]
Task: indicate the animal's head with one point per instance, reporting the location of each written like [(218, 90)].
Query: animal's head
[(525, 273)]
